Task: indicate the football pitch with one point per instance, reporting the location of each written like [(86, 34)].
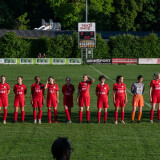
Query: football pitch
[(30, 141)]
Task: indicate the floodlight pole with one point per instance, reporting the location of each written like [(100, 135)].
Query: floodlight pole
[(86, 22)]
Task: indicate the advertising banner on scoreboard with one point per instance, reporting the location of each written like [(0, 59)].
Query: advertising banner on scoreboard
[(149, 61), (86, 27), (75, 61), (99, 61), (42, 61), (59, 61), (10, 61), (26, 60), (124, 61)]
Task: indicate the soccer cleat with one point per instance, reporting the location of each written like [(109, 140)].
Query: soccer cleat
[(122, 122), (22, 121), (14, 121), (35, 121), (158, 120), (39, 121), (138, 121), (132, 122), (88, 122), (4, 122), (105, 122), (49, 122), (55, 122), (116, 122), (80, 122), (69, 121), (151, 121), (98, 122)]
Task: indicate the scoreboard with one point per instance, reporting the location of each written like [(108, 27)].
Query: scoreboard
[(86, 35)]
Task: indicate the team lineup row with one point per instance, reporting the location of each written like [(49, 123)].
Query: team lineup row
[(83, 97)]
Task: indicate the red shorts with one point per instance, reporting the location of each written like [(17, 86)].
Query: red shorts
[(84, 99), (37, 102), (19, 102), (68, 101), (4, 101), (52, 102), (120, 102), (155, 98), (102, 102)]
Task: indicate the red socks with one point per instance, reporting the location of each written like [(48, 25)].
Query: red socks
[(69, 110), (116, 115), (80, 115), (122, 116), (55, 115), (49, 115), (67, 114), (22, 115), (5, 115), (151, 114), (158, 114), (105, 116), (40, 114), (88, 115), (15, 116), (35, 114), (99, 116)]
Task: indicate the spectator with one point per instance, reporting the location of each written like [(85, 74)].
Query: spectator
[(39, 55), (61, 149), (44, 55)]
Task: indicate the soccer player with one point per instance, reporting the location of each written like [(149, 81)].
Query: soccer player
[(83, 96), (119, 98), (52, 97), (102, 91), (137, 89), (37, 99), (155, 96), (4, 91), (68, 90), (19, 90)]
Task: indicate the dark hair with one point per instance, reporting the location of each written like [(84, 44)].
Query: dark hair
[(85, 75), (3, 76), (60, 147), (118, 78), (20, 77), (36, 77), (68, 78), (101, 77), (139, 77)]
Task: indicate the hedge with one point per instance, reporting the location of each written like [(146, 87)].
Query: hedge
[(66, 46)]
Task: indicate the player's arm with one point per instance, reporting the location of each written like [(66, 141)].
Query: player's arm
[(114, 95), (97, 93), (132, 89), (58, 96), (46, 86), (43, 97), (31, 97), (91, 79), (143, 89), (150, 93), (78, 94), (8, 89), (126, 100), (25, 91)]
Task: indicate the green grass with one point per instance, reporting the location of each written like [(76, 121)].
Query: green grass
[(90, 141)]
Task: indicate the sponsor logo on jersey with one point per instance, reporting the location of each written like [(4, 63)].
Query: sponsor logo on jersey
[(21, 87), (4, 86)]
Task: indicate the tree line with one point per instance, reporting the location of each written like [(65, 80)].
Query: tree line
[(122, 15)]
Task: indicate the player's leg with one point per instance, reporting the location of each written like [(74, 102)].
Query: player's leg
[(105, 115), (0, 106), (49, 114), (39, 115), (15, 114), (158, 109), (55, 114), (133, 113), (139, 114), (99, 115), (122, 115), (67, 114), (81, 105), (22, 104), (87, 104), (35, 105), (153, 105), (5, 105), (117, 104)]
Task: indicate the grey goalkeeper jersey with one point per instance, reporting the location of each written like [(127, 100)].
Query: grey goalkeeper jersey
[(137, 88)]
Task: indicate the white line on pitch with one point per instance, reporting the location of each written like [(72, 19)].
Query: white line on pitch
[(115, 81)]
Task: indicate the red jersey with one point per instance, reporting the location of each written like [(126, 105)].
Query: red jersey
[(84, 88), (120, 90), (68, 90), (19, 90), (52, 90), (37, 90), (156, 87), (3, 89), (102, 90)]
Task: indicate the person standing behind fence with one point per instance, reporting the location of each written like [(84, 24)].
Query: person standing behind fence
[(39, 55), (137, 89)]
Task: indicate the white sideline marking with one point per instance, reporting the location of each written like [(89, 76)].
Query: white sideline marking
[(115, 81)]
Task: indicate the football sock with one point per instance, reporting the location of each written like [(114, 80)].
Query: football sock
[(22, 115), (158, 114), (40, 114), (5, 115), (99, 116), (122, 116), (151, 114), (88, 115), (69, 110), (55, 115), (105, 116), (49, 115), (0, 112), (35, 114), (116, 115), (132, 116), (15, 116), (80, 115), (139, 116), (67, 114)]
